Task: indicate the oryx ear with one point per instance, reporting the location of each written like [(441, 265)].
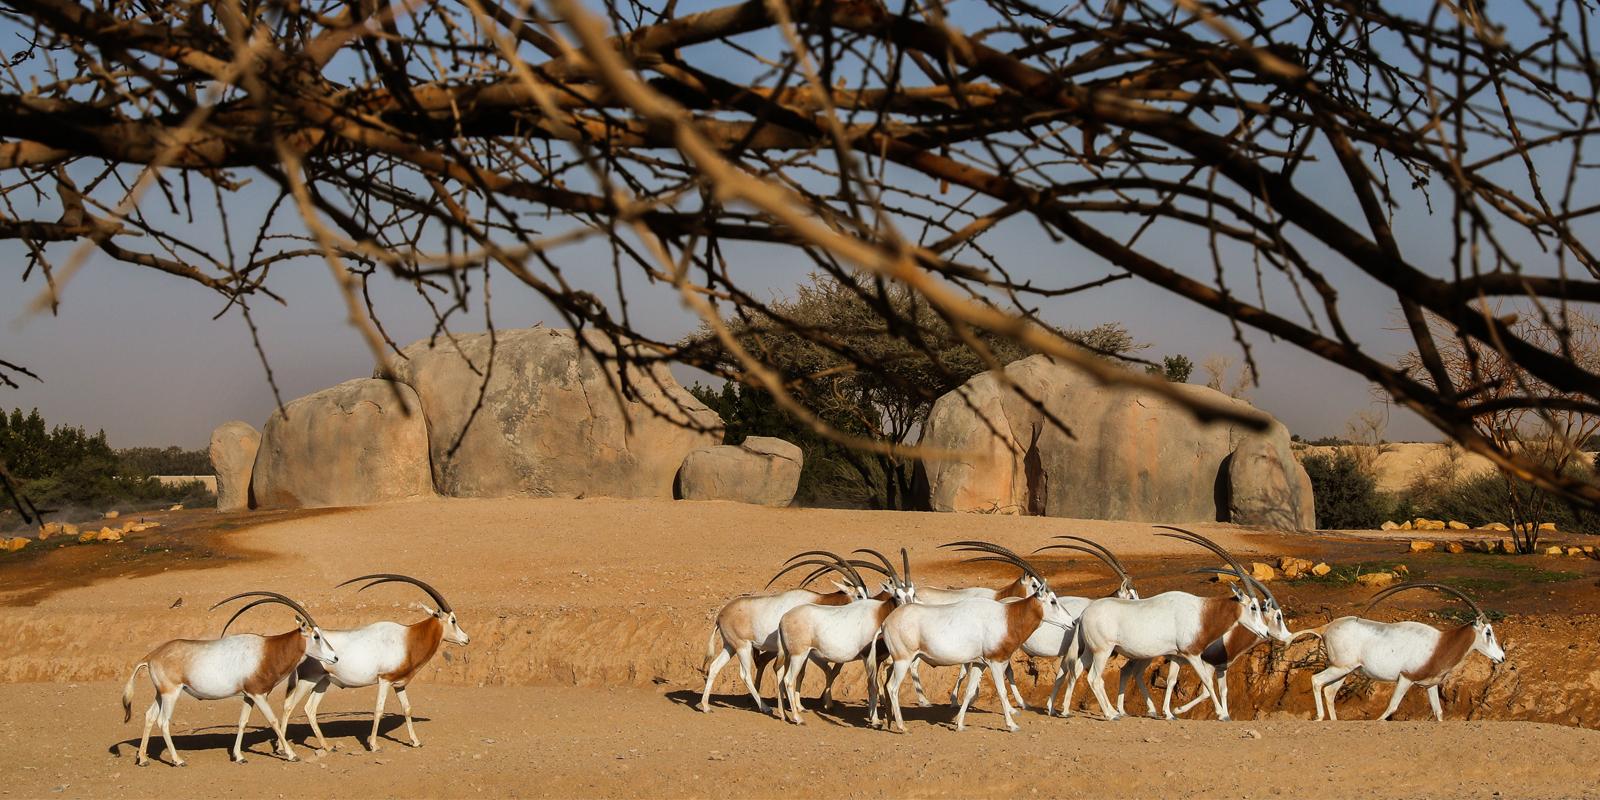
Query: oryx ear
[(1238, 594), (424, 608), (843, 588)]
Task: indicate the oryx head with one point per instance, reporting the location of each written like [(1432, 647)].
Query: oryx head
[(1033, 584), (444, 613), (897, 584), (1125, 589)]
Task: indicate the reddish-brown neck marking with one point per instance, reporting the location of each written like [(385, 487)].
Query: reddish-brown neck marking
[(1015, 589), (1217, 614), (1453, 646), (422, 641), (833, 599), (279, 655), (1022, 619)]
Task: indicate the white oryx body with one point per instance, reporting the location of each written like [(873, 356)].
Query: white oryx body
[(1405, 653), (386, 654), (243, 665), (967, 634)]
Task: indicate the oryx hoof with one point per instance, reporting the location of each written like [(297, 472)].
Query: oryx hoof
[(924, 702), (237, 759), (372, 745), (178, 762), (1013, 727), (291, 757), (703, 708), (415, 743), (141, 762)]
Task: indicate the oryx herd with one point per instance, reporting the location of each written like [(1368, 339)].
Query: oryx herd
[(311, 659), (981, 628)]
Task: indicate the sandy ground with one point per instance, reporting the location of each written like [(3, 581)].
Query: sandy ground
[(589, 621)]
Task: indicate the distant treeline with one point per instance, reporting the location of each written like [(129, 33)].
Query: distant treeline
[(73, 472)]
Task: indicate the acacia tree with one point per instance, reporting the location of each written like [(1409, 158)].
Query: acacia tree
[(1198, 146), (1551, 434), (815, 340)]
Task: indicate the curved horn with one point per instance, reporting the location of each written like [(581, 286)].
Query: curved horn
[(1394, 590), (389, 577), (837, 558), (990, 547), (905, 561), (271, 597), (893, 576), (1105, 554), (1096, 553), (240, 612), (1195, 538), (848, 573)]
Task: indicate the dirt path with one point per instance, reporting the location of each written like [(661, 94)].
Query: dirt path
[(552, 742), (589, 620)]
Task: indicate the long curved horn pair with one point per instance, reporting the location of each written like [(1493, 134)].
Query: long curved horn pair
[(888, 568), (267, 597), (1098, 552), (1195, 538), (1394, 590), (389, 577), (844, 562), (1004, 554), (1102, 552), (850, 575)]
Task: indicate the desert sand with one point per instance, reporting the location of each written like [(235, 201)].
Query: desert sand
[(589, 621)]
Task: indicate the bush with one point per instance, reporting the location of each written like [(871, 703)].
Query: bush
[(1482, 499), (1346, 492)]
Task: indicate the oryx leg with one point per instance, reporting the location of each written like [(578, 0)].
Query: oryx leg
[(265, 704), (1016, 691), (830, 674), (1172, 682), (1401, 686), (997, 673), (1207, 674), (1079, 666), (900, 669), (916, 683), (405, 708), (746, 671), (1097, 684), (1144, 688), (317, 693), (169, 701), (237, 754), (377, 714), (788, 687), (1324, 687), (711, 675), (1433, 700), (973, 674), (144, 739), (1055, 688)]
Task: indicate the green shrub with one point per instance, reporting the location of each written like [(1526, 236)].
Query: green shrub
[(1346, 492), (1482, 499)]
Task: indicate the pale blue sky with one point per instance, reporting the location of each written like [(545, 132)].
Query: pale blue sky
[(136, 352)]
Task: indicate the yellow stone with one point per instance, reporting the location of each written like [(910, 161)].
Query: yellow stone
[(1405, 526), (1262, 572), (1553, 550), (1455, 547), (16, 543), (1497, 526), (1547, 527), (1457, 525), (113, 514), (1421, 546), (1321, 569), (1389, 526), (1375, 580)]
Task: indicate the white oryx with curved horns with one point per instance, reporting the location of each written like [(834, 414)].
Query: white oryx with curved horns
[(1169, 624), (388, 654), (965, 633), (244, 665), (1220, 654), (1403, 652), (1051, 638), (748, 624), (837, 634)]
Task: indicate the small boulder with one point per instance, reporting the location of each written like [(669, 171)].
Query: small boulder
[(1421, 546), (1497, 526), (1457, 525), (50, 529), (1421, 524), (762, 471), (87, 536), (1389, 526), (1454, 547), (1262, 572), (1404, 526), (1576, 552), (176, 507), (1554, 550), (15, 543), (1375, 580), (1294, 567), (1508, 547), (113, 514), (108, 535), (1219, 577), (1321, 569), (1547, 527), (233, 454)]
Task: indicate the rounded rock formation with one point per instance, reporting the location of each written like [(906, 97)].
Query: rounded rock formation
[(762, 471), (553, 420), (358, 443), (233, 455), (1118, 453)]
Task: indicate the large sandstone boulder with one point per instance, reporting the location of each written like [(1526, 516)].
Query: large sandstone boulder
[(554, 421), (233, 454), (358, 443), (762, 470), (1125, 454)]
